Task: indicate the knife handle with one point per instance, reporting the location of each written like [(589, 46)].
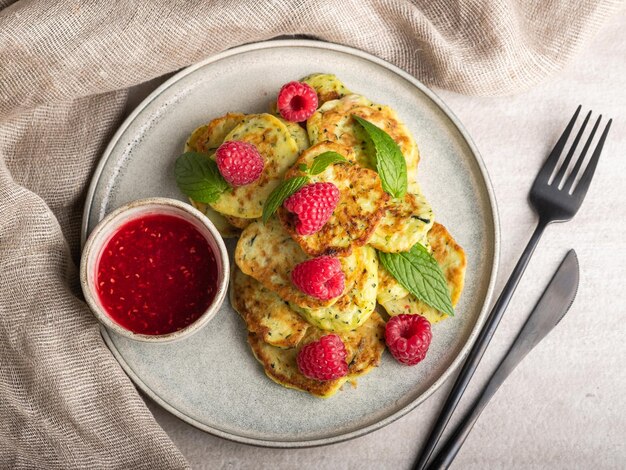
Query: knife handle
[(543, 318)]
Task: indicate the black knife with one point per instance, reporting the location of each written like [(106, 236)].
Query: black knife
[(554, 303)]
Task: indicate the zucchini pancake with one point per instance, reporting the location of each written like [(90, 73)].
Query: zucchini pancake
[(327, 216)]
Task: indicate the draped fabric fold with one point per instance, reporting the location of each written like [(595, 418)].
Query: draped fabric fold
[(65, 68)]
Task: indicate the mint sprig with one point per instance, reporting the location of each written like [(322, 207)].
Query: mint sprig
[(389, 161), (323, 160), (421, 275), (280, 193), (198, 177), (291, 185)]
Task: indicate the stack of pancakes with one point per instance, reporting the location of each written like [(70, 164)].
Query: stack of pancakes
[(280, 318)]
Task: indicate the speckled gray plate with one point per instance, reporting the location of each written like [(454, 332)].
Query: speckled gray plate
[(211, 380)]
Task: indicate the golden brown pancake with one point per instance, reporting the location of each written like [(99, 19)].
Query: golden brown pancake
[(360, 207), (333, 121), (268, 253), (238, 222), (279, 151), (207, 138), (388, 288), (358, 302), (453, 262), (298, 134), (364, 347), (327, 86), (405, 222), (223, 225), (266, 314)]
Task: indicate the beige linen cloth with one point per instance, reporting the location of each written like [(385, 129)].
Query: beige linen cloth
[(65, 66)]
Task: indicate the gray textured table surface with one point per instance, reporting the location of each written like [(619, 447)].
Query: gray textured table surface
[(565, 406)]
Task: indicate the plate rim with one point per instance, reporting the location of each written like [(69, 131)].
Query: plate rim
[(456, 362)]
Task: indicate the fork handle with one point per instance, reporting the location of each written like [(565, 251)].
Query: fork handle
[(448, 451), (477, 351), (523, 344)]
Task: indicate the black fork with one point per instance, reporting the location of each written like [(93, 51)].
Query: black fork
[(555, 200)]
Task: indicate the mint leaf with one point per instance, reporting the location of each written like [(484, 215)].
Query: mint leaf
[(280, 193), (389, 161), (197, 176), (321, 162), (421, 275)]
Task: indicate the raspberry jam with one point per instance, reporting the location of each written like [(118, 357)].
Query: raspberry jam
[(156, 275)]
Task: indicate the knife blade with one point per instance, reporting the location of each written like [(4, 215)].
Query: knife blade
[(552, 306)]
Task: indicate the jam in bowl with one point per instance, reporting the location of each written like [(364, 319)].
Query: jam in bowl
[(155, 270)]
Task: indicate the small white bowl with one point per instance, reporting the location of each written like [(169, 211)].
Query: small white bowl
[(102, 233)]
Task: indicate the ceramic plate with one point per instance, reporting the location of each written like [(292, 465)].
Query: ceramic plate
[(211, 380)]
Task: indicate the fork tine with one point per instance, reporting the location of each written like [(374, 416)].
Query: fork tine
[(561, 174), (585, 180), (550, 164), (572, 176)]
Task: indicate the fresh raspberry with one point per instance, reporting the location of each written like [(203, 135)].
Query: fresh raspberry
[(408, 338), (324, 359), (313, 204), (297, 101), (239, 162), (321, 277)]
